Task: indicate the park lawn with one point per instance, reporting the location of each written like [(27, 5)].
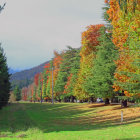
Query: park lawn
[(68, 121)]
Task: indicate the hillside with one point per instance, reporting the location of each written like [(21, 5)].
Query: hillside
[(12, 71), (25, 77)]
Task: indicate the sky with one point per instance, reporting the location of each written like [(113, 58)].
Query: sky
[(30, 30)]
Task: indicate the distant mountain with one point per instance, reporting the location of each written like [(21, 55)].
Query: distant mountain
[(12, 71), (25, 77)]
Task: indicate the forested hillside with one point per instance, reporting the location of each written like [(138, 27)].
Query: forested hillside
[(25, 77), (13, 71)]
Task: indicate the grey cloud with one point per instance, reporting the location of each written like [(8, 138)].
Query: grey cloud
[(32, 26)]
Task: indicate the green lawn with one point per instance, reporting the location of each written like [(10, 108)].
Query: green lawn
[(67, 121)]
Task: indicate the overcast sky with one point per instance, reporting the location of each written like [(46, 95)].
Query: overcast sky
[(31, 29)]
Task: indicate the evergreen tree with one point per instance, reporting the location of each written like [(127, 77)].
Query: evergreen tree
[(34, 93), (101, 83), (17, 93), (49, 80), (4, 79), (72, 78), (44, 85), (39, 87), (65, 70)]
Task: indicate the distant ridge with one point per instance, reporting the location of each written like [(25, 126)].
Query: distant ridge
[(12, 71), (25, 77)]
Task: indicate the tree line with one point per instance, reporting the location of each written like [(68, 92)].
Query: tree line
[(107, 64)]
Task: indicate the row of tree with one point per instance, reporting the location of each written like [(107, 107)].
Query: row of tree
[(106, 65)]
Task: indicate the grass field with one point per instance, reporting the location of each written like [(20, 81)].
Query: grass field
[(67, 121)]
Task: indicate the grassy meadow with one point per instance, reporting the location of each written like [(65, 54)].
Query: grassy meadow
[(68, 121)]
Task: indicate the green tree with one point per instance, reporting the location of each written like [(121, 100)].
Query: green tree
[(17, 93), (4, 79), (39, 87), (74, 69), (49, 80), (44, 84), (101, 83), (34, 93), (65, 71)]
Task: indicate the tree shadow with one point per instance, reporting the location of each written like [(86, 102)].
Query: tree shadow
[(102, 105), (54, 118), (129, 139)]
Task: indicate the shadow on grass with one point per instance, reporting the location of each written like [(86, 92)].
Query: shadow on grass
[(102, 105), (129, 139), (52, 118)]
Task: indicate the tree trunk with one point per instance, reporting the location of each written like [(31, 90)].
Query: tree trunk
[(59, 100), (72, 99), (91, 99), (64, 100), (124, 103), (107, 101), (114, 100), (81, 101), (69, 99)]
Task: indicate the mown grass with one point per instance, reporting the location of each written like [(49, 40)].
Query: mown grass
[(67, 121)]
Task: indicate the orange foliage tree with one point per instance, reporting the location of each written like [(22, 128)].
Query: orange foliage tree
[(66, 90), (24, 92), (55, 64), (125, 19)]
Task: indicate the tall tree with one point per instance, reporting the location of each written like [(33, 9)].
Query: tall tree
[(64, 72), (87, 53), (38, 89), (72, 78), (124, 16), (101, 83), (4, 79), (17, 93), (44, 86), (24, 93)]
